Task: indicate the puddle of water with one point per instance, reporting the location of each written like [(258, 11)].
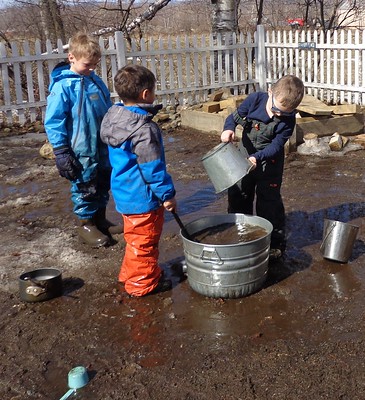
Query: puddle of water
[(283, 308)]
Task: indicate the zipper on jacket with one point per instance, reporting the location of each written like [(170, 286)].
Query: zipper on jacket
[(79, 111)]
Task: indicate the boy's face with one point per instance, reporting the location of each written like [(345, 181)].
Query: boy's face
[(83, 65)]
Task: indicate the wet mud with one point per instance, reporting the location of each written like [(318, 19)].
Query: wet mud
[(300, 337)]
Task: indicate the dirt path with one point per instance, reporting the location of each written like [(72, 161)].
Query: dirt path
[(300, 337)]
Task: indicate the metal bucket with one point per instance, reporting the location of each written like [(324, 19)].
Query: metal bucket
[(338, 240), (227, 271), (226, 165)]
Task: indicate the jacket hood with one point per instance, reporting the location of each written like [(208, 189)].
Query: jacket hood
[(62, 71), (119, 124)]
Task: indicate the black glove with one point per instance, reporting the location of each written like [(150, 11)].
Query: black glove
[(67, 165)]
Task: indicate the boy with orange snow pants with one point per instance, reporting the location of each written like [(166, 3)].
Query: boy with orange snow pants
[(141, 187)]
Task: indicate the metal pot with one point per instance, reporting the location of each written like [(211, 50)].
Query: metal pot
[(226, 165), (40, 285)]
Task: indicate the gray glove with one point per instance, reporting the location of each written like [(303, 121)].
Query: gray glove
[(66, 163)]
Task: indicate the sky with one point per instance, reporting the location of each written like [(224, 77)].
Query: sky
[(5, 3)]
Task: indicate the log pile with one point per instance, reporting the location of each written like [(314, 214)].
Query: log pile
[(342, 123)]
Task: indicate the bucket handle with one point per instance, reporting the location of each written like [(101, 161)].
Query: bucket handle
[(212, 251), (326, 237)]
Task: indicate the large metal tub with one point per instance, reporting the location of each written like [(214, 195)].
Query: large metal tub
[(227, 271)]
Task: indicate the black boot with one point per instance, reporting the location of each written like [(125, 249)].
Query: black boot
[(105, 225), (91, 235)]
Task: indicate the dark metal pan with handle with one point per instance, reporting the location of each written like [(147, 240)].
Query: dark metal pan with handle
[(40, 285)]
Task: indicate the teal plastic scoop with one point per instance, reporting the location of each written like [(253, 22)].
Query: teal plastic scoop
[(77, 378)]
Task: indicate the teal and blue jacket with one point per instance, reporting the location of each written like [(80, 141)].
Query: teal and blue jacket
[(76, 106), (140, 182)]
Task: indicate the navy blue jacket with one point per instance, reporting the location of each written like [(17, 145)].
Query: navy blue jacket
[(279, 131)]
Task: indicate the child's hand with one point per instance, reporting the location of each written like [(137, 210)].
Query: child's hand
[(254, 162), (170, 205), (227, 136), (67, 165)]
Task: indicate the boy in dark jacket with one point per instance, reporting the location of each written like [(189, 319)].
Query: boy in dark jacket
[(141, 187), (268, 120), (76, 105)]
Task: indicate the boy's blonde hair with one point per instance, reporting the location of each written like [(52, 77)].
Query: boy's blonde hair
[(289, 89), (83, 45)]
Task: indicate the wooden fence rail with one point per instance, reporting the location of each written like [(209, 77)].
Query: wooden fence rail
[(188, 68)]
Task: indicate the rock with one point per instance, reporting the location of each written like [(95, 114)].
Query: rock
[(336, 142), (46, 151)]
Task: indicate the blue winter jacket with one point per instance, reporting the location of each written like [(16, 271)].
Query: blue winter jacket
[(76, 106), (140, 182)]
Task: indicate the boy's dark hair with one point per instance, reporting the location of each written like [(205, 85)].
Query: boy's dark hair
[(131, 80)]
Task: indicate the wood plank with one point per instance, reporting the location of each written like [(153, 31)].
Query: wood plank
[(216, 95), (313, 106), (233, 101), (211, 106), (302, 120), (346, 109), (345, 125)]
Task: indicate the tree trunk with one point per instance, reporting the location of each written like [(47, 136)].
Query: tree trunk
[(225, 23), (224, 18), (52, 21)]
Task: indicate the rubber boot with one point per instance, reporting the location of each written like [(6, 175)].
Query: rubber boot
[(105, 225), (91, 235)]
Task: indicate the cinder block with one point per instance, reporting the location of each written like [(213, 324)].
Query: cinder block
[(202, 121), (205, 122)]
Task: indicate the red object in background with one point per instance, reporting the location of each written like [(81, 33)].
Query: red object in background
[(296, 22)]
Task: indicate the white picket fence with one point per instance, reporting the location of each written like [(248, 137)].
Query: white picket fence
[(188, 68)]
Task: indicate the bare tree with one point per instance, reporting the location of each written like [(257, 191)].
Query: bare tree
[(330, 15), (224, 16), (128, 24), (260, 10), (52, 22), (50, 17), (56, 17)]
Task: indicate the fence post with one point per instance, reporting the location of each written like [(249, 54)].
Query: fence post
[(121, 50), (261, 57)]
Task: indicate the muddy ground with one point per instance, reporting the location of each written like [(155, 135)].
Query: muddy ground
[(300, 337)]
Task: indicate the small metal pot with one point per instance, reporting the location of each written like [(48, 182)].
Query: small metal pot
[(40, 285)]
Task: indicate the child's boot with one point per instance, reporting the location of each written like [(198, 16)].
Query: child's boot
[(105, 225), (91, 235)]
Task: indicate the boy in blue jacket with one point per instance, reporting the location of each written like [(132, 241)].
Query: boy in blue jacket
[(268, 120), (141, 187), (76, 105)]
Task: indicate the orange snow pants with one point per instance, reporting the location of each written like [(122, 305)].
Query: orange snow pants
[(140, 271)]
